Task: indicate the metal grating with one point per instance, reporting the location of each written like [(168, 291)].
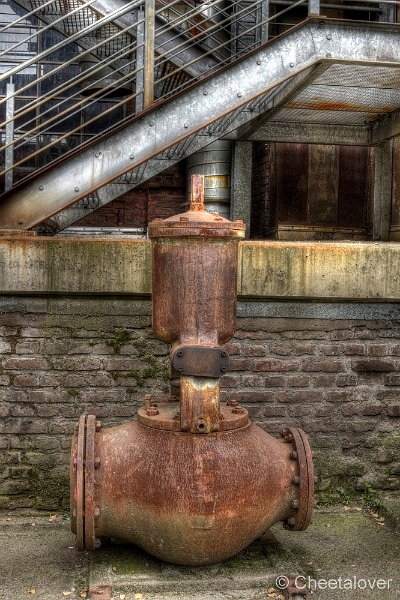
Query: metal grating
[(345, 94), (360, 76), (326, 117)]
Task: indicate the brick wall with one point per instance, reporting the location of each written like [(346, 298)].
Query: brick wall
[(158, 198), (338, 379)]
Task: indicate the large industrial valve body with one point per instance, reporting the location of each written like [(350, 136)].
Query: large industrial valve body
[(192, 481)]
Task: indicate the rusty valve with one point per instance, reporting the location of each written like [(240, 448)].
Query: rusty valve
[(192, 481)]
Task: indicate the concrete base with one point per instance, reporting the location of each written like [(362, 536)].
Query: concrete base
[(340, 543)]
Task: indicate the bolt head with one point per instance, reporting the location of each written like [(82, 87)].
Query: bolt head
[(75, 462), (41, 187), (293, 455), (292, 521), (295, 504), (152, 412), (97, 543), (98, 425), (97, 462), (96, 511), (296, 480)]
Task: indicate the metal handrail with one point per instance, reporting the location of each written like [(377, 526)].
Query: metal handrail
[(154, 52)]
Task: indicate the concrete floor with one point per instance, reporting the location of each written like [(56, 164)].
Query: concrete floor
[(38, 560)]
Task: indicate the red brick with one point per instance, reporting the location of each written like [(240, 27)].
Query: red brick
[(276, 365)]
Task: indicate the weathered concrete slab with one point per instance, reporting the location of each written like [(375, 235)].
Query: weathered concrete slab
[(320, 270), (344, 544), (340, 544), (96, 266), (335, 271), (38, 559)]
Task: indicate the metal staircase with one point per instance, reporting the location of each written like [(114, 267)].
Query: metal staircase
[(102, 95)]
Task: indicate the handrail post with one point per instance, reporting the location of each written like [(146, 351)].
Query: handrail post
[(9, 151), (314, 8), (149, 53)]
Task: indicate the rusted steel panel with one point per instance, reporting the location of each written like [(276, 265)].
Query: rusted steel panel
[(292, 182), (353, 186), (323, 185)]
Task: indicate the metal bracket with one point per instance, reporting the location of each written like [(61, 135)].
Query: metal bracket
[(200, 361)]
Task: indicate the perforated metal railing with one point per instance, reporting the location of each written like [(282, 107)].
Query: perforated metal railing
[(70, 70)]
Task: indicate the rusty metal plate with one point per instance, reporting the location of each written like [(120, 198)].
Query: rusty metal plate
[(200, 361)]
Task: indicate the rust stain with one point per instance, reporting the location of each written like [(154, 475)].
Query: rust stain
[(339, 106)]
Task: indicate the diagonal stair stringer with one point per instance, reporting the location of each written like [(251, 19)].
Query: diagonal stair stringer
[(217, 99)]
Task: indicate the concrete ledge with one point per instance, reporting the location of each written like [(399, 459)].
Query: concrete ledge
[(367, 271), (326, 271), (47, 265)]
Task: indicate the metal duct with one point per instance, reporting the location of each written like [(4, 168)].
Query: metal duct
[(214, 162)]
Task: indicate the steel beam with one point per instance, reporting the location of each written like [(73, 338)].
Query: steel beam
[(386, 128), (382, 197), (282, 94), (219, 97)]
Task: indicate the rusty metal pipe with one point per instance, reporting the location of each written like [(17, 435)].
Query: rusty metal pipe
[(191, 481), (191, 499)]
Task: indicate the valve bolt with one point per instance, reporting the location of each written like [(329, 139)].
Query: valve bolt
[(237, 410), (289, 438), (98, 425), (296, 480), (97, 543), (152, 412), (180, 352), (295, 503), (97, 462), (96, 512), (293, 455)]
